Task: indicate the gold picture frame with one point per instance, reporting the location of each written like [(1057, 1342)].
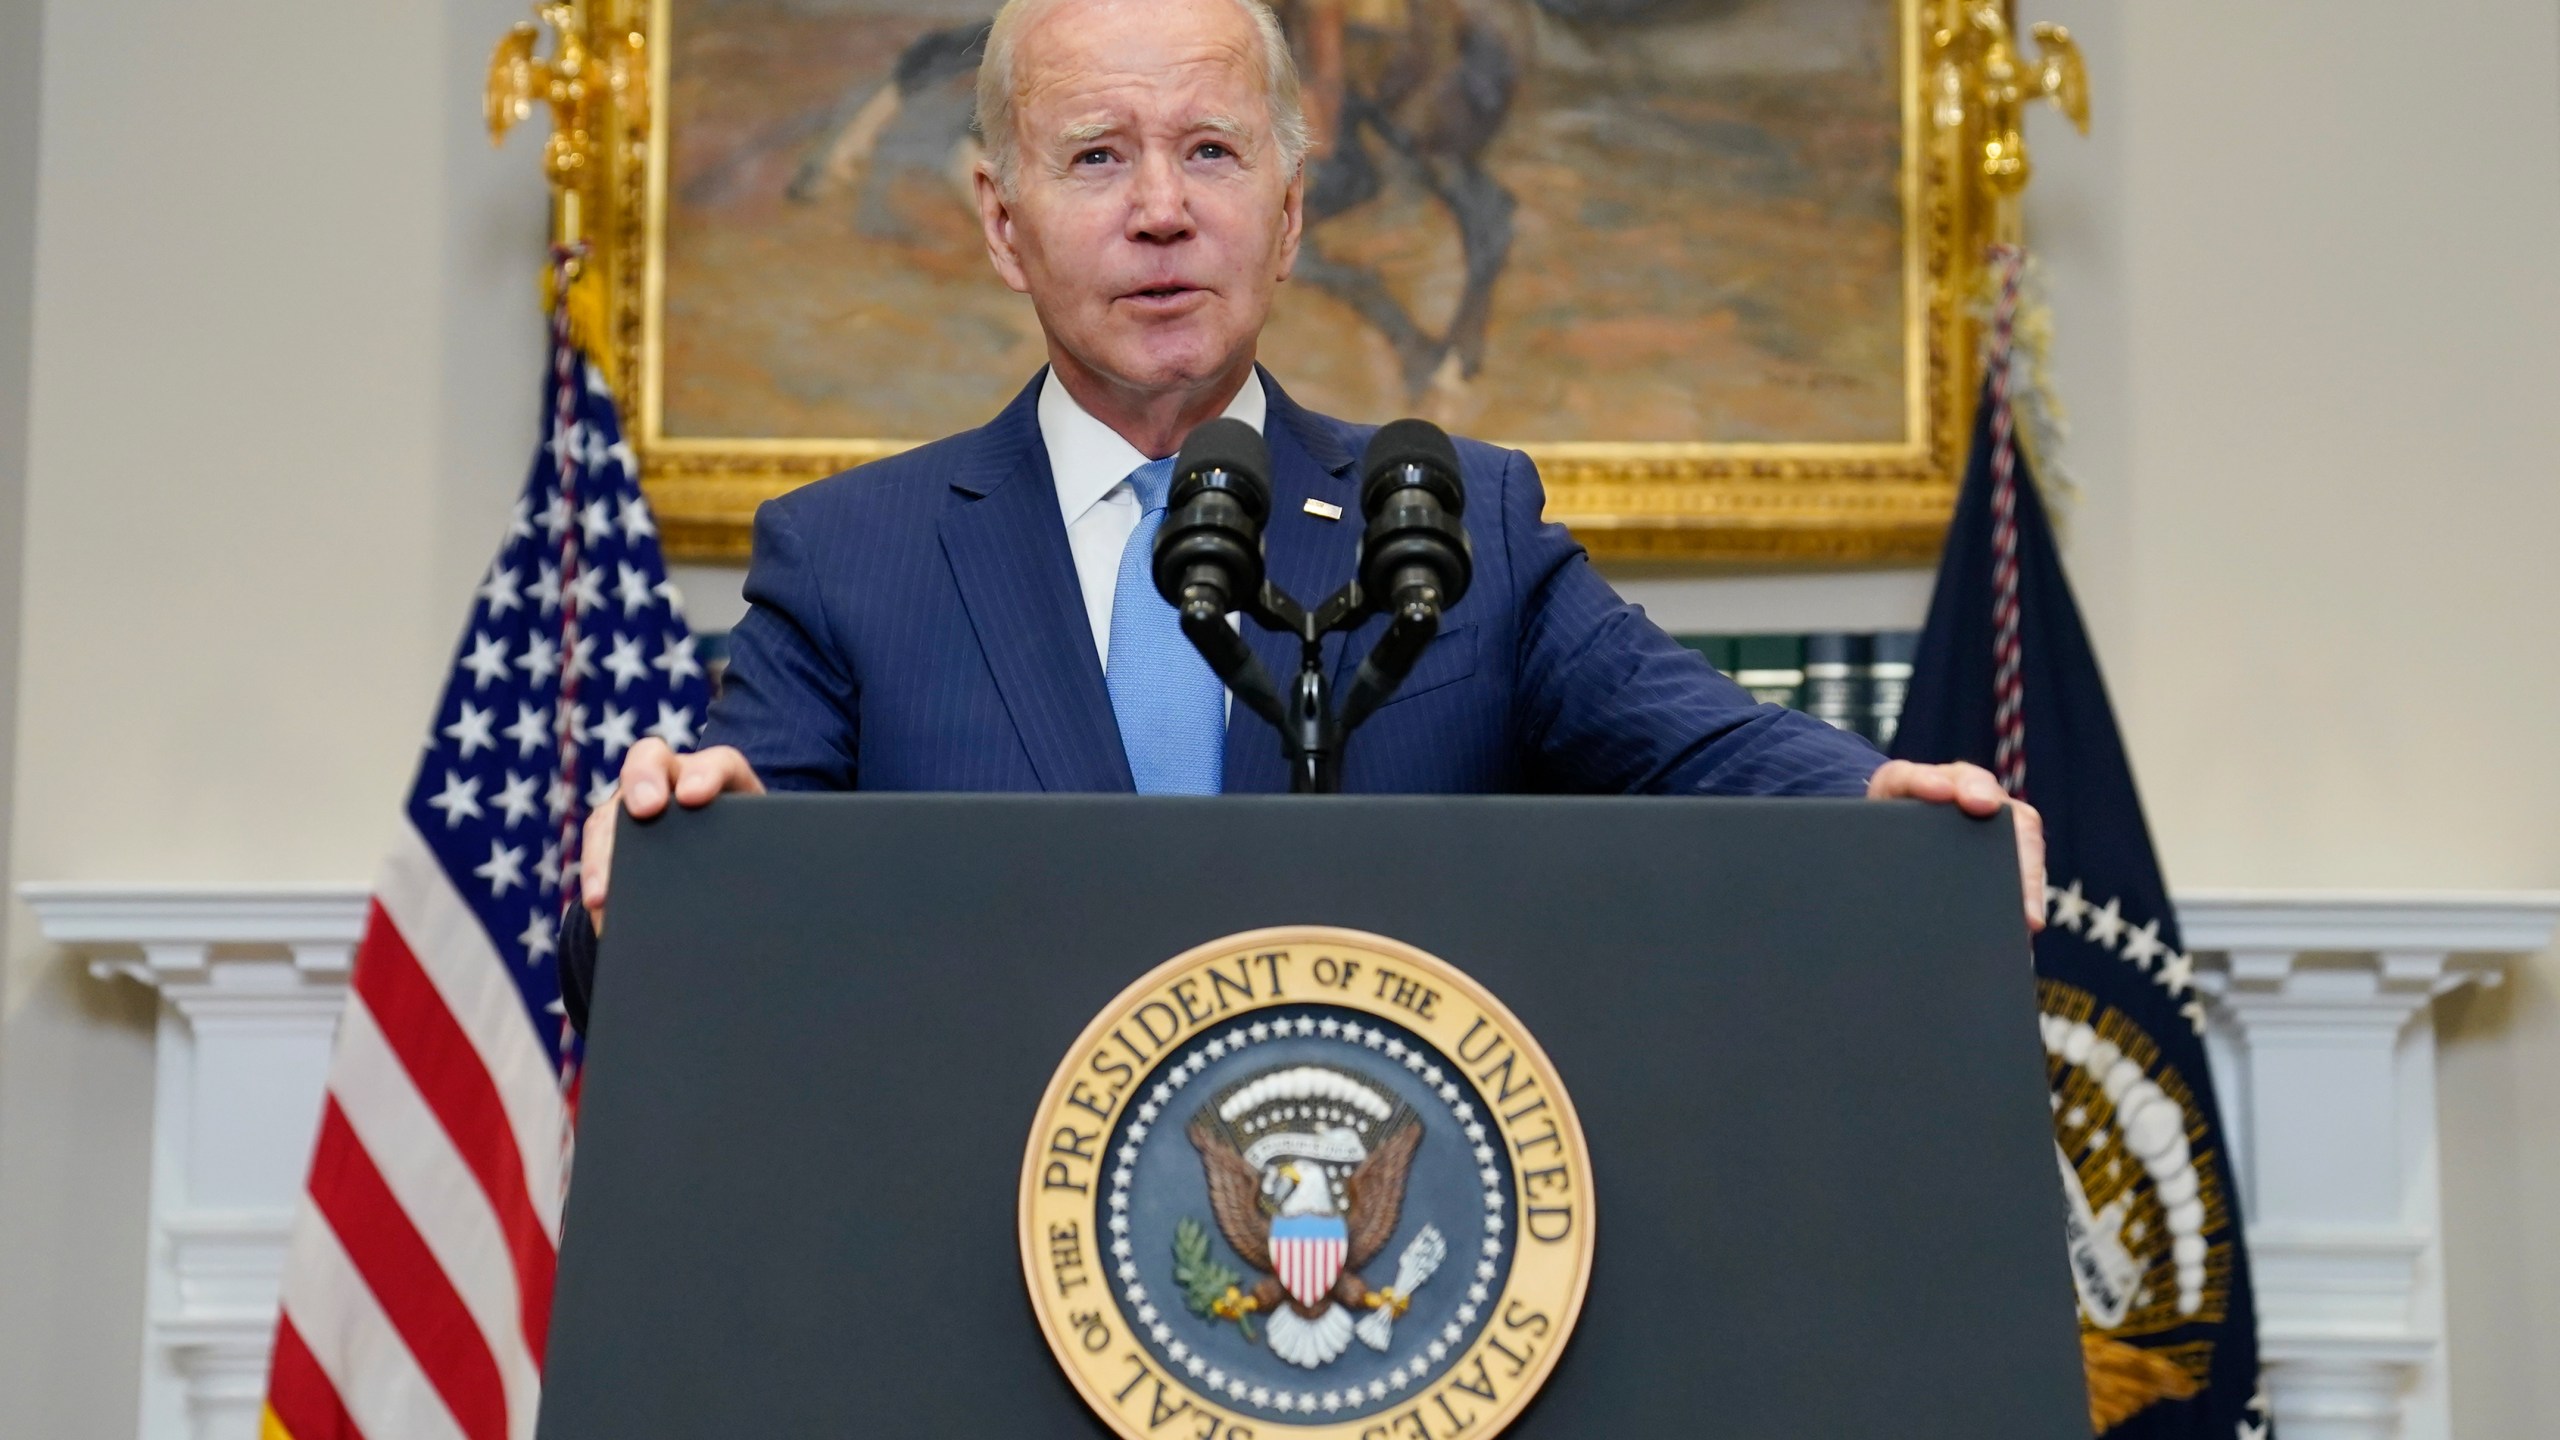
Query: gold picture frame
[(1758, 503)]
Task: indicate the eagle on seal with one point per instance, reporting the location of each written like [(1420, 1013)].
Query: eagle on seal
[(1306, 1170)]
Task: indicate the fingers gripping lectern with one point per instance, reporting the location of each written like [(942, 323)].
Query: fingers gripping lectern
[(1343, 1119)]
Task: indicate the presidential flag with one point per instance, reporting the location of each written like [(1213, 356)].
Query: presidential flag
[(417, 1291), (2005, 678)]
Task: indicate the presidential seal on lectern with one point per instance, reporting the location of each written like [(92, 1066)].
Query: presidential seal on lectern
[(1309, 1181)]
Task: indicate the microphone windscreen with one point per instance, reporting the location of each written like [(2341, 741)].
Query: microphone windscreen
[(1231, 445), (1399, 443)]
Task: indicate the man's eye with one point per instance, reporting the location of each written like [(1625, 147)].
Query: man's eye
[(1096, 156), (1213, 150)]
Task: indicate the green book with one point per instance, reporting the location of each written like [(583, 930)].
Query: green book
[(1888, 681), (1771, 667), (1718, 649), (1835, 679)]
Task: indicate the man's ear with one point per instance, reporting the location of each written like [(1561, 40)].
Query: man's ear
[(995, 217), (1293, 215)]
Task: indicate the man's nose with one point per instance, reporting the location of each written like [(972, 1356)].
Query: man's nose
[(1159, 206)]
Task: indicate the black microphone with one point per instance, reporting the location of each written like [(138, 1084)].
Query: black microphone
[(1208, 557), (1415, 560)]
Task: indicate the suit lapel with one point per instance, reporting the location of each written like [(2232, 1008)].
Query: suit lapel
[(1008, 552), (1306, 555)]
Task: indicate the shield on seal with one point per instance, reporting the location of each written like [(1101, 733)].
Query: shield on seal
[(1306, 1253)]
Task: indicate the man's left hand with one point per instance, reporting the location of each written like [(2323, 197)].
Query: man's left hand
[(1976, 792)]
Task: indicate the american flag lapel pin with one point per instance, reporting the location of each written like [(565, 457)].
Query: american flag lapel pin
[(1323, 509)]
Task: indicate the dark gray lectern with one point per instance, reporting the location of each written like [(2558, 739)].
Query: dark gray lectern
[(1800, 1034)]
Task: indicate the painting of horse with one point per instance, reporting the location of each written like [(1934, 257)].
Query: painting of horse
[(1540, 221)]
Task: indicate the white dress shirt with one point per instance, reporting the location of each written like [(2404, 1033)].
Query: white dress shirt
[(1091, 465)]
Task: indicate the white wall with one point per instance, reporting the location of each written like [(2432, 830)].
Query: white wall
[(2307, 276), (258, 423), (284, 361), (21, 49), (285, 356), (70, 1055)]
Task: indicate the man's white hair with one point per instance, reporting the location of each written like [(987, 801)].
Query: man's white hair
[(995, 120)]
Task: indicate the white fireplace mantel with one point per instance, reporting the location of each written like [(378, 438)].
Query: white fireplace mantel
[(251, 980), (2328, 1086), (2321, 1035)]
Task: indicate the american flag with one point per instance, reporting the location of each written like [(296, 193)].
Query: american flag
[(417, 1291)]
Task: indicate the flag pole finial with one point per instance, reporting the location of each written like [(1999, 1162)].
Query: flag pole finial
[(596, 71), (1980, 84), (1980, 90)]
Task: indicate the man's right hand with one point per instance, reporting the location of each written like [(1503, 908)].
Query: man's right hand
[(652, 774)]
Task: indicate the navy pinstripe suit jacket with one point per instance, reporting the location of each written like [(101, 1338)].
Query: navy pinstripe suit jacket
[(916, 625)]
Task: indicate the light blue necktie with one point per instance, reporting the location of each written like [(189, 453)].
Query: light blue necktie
[(1171, 707)]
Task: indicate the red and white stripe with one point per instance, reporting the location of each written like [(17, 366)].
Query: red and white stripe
[(2009, 713), (1308, 1268), (418, 1287)]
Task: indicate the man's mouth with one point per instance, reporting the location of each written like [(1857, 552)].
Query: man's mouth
[(1168, 293)]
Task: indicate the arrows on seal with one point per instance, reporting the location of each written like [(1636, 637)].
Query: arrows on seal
[(1420, 1258)]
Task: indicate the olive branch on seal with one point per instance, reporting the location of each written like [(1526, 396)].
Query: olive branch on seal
[(1203, 1280)]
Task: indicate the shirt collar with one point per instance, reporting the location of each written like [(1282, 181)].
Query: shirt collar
[(1087, 458)]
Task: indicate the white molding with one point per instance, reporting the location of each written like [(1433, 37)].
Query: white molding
[(2326, 1075), (252, 979), (2322, 1010), (2469, 922), (121, 915)]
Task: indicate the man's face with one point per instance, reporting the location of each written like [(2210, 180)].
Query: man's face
[(1152, 212)]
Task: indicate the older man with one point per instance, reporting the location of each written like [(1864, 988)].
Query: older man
[(977, 615)]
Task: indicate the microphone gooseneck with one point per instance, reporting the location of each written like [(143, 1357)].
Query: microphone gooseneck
[(1208, 558), (1415, 560), (1208, 561)]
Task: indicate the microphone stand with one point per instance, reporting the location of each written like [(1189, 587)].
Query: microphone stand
[(1413, 562), (1311, 732)]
